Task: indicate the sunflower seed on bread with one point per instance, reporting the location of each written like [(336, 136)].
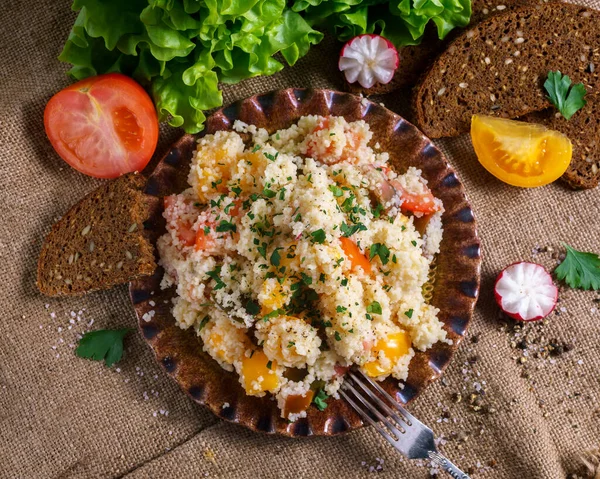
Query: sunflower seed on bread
[(414, 59), (99, 242), (499, 66)]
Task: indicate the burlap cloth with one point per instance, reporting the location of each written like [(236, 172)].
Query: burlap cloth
[(61, 416)]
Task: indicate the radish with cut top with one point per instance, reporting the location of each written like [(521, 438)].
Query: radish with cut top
[(525, 291), (368, 59)]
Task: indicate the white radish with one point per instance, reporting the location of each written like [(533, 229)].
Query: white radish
[(368, 59), (525, 291)]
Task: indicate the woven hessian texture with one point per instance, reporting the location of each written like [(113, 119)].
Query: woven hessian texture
[(61, 416)]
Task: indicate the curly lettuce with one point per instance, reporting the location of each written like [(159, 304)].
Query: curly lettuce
[(181, 49), (402, 22)]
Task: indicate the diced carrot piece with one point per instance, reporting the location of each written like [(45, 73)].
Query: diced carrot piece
[(297, 403), (357, 259)]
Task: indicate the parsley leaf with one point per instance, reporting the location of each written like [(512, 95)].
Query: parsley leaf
[(318, 236), (275, 257), (252, 307), (381, 250), (579, 269), (214, 274), (374, 308), (348, 231), (225, 226), (269, 193), (409, 313), (566, 98), (336, 190), (319, 400), (102, 344)]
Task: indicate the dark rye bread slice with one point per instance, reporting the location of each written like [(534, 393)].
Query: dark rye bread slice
[(99, 242), (584, 131), (499, 66), (415, 59)]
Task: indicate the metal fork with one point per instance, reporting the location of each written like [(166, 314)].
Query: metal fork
[(400, 428)]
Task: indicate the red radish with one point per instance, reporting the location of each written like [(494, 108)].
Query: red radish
[(368, 59), (525, 291)]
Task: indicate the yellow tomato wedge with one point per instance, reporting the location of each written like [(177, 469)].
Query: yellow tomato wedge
[(259, 373), (394, 347), (519, 153)]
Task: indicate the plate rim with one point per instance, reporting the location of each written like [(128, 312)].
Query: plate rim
[(229, 113)]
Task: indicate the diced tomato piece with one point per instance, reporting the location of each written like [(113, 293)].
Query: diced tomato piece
[(357, 259), (340, 370), (203, 241), (423, 203)]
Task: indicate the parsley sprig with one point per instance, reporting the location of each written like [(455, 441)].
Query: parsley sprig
[(579, 269), (103, 344), (320, 400), (566, 98)]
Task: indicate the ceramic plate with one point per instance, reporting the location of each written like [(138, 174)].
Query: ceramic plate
[(454, 291)]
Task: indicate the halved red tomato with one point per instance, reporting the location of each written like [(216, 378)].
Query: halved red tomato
[(103, 126)]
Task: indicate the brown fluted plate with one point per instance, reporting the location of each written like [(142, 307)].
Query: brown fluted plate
[(456, 280)]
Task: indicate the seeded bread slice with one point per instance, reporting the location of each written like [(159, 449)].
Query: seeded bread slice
[(584, 131), (499, 66), (99, 243), (414, 59)]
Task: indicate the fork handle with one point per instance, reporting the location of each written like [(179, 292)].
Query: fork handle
[(447, 465)]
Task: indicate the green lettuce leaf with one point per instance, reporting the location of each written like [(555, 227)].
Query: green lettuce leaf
[(181, 49)]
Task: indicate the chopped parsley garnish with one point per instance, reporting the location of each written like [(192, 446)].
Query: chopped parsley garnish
[(225, 226), (269, 364), (214, 275), (290, 344), (322, 277), (203, 323), (282, 194), (409, 313), (275, 257), (394, 259), (252, 307), (262, 250), (206, 230), (271, 157), (269, 193), (103, 344), (381, 250), (318, 236), (273, 314), (256, 148), (348, 231), (341, 309), (413, 242), (337, 336), (344, 282), (306, 279), (377, 210), (336, 190), (214, 184), (320, 400), (579, 269), (374, 308)]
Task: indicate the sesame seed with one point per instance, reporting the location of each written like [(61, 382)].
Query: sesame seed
[(517, 53), (463, 85), (508, 61), (92, 246), (504, 39), (487, 60), (86, 230), (485, 11), (441, 91), (119, 264), (132, 228), (519, 40), (493, 97), (501, 7), (71, 257), (128, 255)]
